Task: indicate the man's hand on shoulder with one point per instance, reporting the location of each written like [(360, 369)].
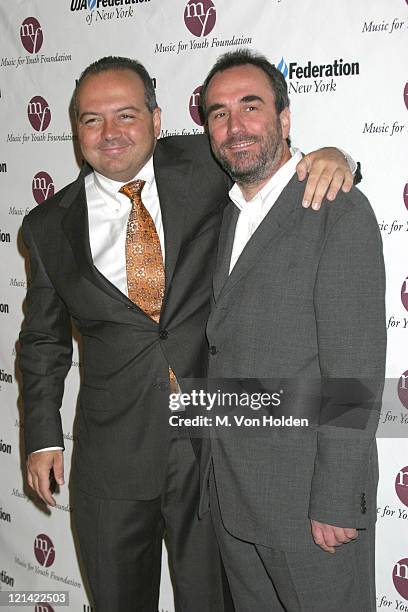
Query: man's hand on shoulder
[(328, 171), (329, 536), (39, 468)]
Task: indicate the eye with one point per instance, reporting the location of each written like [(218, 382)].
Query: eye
[(126, 116), (90, 121), (219, 115), (251, 108)]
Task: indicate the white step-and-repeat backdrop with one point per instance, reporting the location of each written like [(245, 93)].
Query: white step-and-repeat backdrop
[(358, 101)]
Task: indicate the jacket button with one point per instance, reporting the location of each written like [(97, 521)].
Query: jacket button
[(164, 334), (213, 350)]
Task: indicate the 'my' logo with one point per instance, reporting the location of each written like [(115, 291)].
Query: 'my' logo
[(42, 186), (43, 608), (194, 106), (404, 293), (401, 485), (400, 577), (200, 17), (31, 35), (44, 550), (39, 113)]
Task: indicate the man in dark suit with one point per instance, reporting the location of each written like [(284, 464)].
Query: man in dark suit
[(298, 310), (126, 251)]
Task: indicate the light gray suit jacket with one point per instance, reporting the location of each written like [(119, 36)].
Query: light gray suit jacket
[(304, 303)]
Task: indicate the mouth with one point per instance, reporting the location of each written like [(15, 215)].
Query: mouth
[(113, 151), (240, 146)]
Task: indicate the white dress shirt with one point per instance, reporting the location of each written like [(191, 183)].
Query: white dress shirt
[(108, 213), (253, 212)]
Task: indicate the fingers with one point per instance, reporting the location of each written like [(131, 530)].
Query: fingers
[(316, 188), (337, 183), (348, 182), (320, 540), (329, 536), (328, 172), (302, 168), (39, 466), (59, 469)]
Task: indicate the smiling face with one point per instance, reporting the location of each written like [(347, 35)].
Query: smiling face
[(247, 135), (116, 131)]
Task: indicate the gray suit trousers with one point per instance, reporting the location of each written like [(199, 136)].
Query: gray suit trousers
[(263, 579)]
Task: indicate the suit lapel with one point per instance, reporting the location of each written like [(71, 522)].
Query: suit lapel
[(172, 171), (225, 243), (76, 228), (277, 221)]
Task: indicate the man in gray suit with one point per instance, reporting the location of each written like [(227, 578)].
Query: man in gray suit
[(298, 298)]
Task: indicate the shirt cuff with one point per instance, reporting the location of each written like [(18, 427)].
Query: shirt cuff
[(352, 164), (48, 448)]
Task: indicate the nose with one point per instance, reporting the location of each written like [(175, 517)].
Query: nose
[(110, 129), (235, 122)]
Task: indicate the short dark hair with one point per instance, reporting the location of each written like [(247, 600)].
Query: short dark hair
[(119, 63), (241, 57)]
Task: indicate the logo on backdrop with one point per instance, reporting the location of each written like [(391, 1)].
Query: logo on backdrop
[(6, 579), (400, 577), (406, 196), (5, 237), (42, 186), (323, 77), (3, 167), (79, 5), (194, 105), (31, 35), (4, 309), (5, 448), (283, 67), (403, 389), (406, 91), (401, 485), (107, 10), (200, 17), (5, 516), (43, 608), (39, 114), (44, 550), (404, 293), (5, 377)]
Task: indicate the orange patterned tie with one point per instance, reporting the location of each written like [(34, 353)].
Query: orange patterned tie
[(144, 259)]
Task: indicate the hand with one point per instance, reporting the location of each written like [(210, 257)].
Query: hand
[(328, 536), (328, 171), (39, 466)]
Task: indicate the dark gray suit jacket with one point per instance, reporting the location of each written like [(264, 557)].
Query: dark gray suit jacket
[(305, 304), (122, 430)]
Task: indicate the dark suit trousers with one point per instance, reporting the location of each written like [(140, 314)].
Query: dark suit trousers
[(120, 544), (263, 579)]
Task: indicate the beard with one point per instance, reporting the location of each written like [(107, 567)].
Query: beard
[(246, 167)]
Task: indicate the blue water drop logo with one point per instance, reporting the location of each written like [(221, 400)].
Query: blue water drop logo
[(91, 4), (283, 67)]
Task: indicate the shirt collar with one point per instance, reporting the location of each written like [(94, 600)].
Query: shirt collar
[(110, 188), (280, 178)]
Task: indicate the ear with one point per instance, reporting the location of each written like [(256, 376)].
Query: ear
[(157, 121), (284, 119)]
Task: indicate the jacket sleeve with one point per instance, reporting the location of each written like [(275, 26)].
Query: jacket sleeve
[(350, 318), (45, 354)]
